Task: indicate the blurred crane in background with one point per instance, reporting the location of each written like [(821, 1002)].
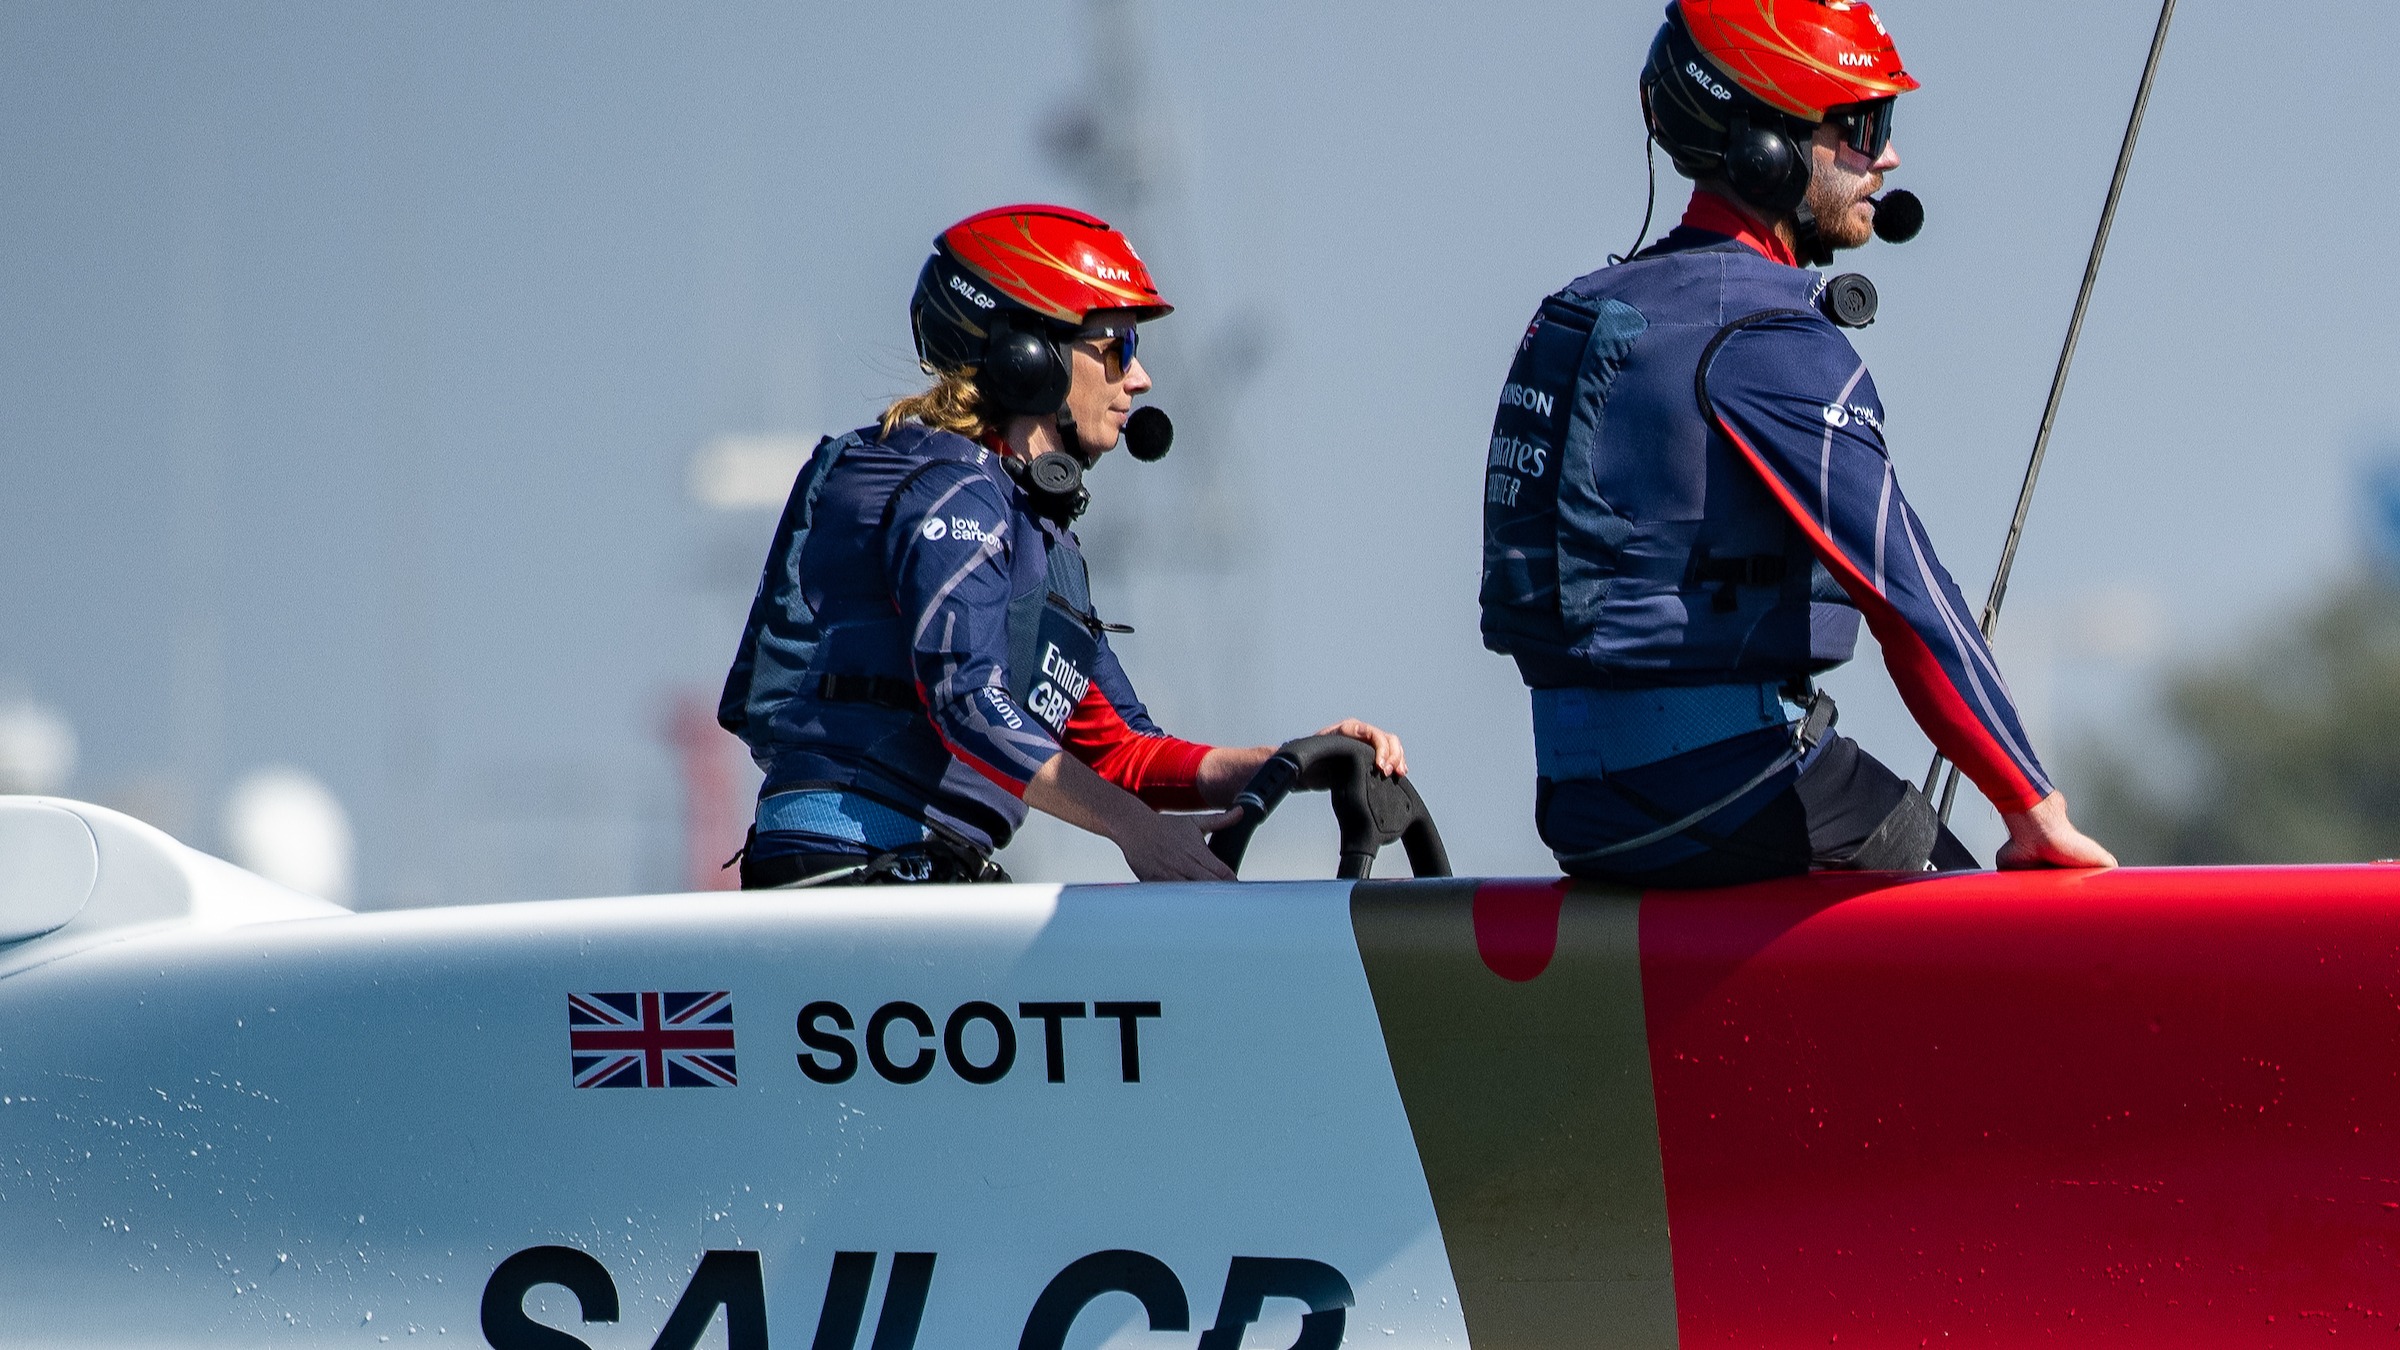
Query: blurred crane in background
[(1170, 540)]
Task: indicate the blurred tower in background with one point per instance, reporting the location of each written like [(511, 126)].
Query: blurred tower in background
[(1170, 542)]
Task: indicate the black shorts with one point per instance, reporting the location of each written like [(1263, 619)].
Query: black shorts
[(1844, 811)]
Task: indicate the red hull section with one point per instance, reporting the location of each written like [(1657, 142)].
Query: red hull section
[(2126, 1107)]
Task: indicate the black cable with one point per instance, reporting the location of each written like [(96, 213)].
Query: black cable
[(2058, 381), (1649, 202)]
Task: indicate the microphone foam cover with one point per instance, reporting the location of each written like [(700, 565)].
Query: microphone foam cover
[(1898, 216), (1149, 434)]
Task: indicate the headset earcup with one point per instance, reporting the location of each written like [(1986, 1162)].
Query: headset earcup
[(1023, 372), (1767, 167)]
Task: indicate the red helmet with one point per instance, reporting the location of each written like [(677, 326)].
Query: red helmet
[(1799, 56), (1031, 268), (1728, 80)]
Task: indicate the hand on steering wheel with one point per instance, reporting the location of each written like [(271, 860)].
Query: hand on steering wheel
[(1390, 759), (1371, 807)]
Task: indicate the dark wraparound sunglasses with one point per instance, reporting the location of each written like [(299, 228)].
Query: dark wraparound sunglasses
[(1865, 127), (1117, 342)]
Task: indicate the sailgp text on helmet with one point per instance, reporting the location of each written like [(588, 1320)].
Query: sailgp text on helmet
[(1734, 89), (1006, 288)]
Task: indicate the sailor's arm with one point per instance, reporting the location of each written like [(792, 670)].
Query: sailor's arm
[(953, 589), (946, 554), (1227, 769), (1112, 732), (1214, 777), (1156, 847), (1826, 465), (2044, 837)]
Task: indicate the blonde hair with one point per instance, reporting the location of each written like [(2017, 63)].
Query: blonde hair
[(951, 403)]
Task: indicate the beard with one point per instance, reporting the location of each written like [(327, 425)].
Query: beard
[(1835, 198), (1840, 222)]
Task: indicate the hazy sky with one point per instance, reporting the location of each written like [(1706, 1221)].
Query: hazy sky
[(351, 359)]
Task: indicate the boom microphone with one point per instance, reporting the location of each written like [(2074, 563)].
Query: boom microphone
[(1149, 433), (1898, 216)]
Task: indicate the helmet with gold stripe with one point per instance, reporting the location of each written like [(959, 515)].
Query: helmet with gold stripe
[(1734, 89), (1004, 287)]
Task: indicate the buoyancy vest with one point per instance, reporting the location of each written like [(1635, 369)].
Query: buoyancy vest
[(824, 609), (1626, 543), (779, 638)]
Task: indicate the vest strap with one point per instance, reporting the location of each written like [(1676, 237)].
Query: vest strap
[(882, 690), (1729, 574)]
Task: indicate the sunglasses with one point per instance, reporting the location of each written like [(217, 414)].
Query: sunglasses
[(1117, 343), (1865, 127)]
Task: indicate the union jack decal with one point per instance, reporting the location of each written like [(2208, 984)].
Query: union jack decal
[(651, 1039)]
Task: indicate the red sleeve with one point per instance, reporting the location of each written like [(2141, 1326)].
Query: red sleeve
[(1797, 403), (1161, 770)]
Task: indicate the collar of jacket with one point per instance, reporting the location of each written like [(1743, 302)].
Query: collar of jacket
[(1716, 215)]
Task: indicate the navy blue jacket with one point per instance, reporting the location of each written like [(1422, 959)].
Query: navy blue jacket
[(911, 564), (1634, 538)]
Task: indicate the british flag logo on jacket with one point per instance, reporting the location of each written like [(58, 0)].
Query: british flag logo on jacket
[(651, 1039)]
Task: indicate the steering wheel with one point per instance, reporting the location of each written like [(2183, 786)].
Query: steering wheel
[(1371, 809)]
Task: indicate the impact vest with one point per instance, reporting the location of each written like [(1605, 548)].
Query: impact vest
[(824, 687), (780, 636), (1626, 544)]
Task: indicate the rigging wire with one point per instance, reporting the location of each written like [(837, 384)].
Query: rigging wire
[(2058, 381)]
